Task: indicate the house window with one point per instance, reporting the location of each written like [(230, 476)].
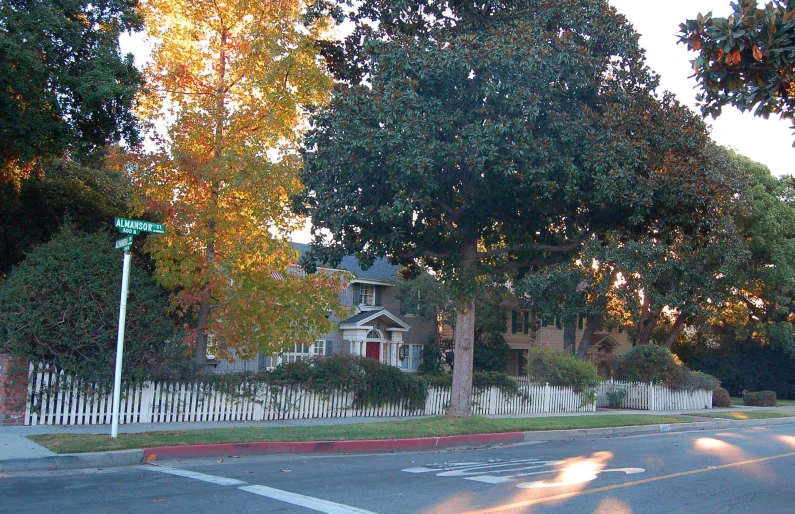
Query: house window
[(301, 351), (322, 348), (297, 353), (520, 322), (410, 356), (367, 294)]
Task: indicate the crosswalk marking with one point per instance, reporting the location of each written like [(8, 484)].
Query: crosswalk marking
[(195, 475), (316, 504), (303, 501)]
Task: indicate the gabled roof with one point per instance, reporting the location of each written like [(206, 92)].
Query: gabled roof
[(603, 339), (381, 271), (365, 318)]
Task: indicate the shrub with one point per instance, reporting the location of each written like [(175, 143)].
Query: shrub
[(372, 383), (480, 380), (615, 399), (685, 379), (60, 306), (760, 398), (647, 363), (654, 363), (561, 369), (721, 398)]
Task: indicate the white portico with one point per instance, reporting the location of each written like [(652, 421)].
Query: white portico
[(375, 334)]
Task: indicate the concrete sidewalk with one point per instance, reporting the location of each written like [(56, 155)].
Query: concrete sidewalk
[(17, 453)]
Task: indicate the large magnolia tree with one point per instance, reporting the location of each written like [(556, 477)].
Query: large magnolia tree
[(229, 80), (489, 137)]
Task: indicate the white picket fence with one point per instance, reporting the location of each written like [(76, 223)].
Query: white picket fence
[(654, 396), (55, 400)]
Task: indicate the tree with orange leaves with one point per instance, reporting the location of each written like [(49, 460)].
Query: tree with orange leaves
[(226, 90)]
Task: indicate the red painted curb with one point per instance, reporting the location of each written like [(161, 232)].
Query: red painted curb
[(371, 446)]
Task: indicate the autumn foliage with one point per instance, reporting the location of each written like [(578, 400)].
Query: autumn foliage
[(226, 89)]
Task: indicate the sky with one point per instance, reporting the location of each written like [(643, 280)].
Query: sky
[(766, 141)]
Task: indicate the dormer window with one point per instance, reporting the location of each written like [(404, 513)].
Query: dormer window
[(367, 295)]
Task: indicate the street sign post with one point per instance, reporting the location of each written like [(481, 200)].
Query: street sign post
[(131, 227), (128, 226), (124, 241)]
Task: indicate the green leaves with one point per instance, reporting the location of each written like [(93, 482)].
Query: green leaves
[(64, 87), (745, 60), (61, 306)]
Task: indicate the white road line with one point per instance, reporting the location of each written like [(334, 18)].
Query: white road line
[(303, 501), (196, 476), (488, 479), (420, 470)]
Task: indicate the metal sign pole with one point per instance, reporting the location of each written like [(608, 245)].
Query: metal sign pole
[(125, 281)]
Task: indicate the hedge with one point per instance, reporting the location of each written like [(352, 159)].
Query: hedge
[(760, 399)]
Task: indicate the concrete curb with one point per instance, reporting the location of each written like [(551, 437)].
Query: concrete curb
[(132, 457), (371, 446), (74, 461)]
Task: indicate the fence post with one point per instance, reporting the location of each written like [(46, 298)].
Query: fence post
[(493, 400), (651, 396), (547, 399)]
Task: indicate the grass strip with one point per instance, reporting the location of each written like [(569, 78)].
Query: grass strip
[(406, 429), (737, 401), (749, 414)]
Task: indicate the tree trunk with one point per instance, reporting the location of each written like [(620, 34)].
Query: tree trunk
[(461, 395), (675, 330), (570, 336), (648, 320), (200, 354), (592, 323)]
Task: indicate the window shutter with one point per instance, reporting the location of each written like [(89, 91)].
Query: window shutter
[(526, 322), (357, 294), (377, 295), (543, 321), (579, 321), (329, 346), (620, 328), (513, 322), (558, 323)]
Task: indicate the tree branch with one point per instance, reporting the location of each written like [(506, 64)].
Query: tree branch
[(538, 247), (540, 262), (423, 253)]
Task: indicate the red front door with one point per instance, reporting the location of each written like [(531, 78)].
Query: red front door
[(373, 350)]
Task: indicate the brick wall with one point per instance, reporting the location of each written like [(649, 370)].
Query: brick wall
[(13, 390)]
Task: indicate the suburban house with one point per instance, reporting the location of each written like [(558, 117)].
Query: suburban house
[(525, 330), (374, 329)]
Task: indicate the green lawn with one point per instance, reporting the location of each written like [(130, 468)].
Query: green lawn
[(755, 414), (425, 427), (779, 403)]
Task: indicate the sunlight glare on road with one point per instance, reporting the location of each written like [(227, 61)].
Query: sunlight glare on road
[(457, 503), (575, 471), (787, 439), (612, 505), (729, 453)]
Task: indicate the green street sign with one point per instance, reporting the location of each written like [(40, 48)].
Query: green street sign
[(124, 242), (128, 226)]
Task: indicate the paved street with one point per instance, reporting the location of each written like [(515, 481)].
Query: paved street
[(743, 470)]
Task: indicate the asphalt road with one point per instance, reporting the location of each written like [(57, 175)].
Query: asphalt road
[(733, 471)]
